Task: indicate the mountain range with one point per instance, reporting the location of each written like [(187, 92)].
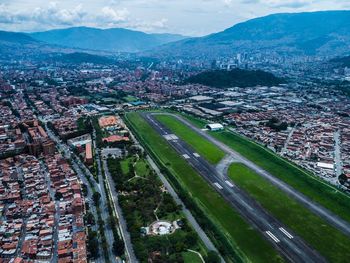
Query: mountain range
[(111, 40), (324, 33), (18, 45)]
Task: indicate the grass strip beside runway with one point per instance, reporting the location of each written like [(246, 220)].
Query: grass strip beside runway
[(314, 230), (318, 191), (203, 147), (241, 235)]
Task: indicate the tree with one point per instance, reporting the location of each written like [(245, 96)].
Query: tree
[(93, 244), (343, 178), (191, 239), (212, 257), (96, 197), (89, 218), (84, 189), (118, 247), (58, 195)]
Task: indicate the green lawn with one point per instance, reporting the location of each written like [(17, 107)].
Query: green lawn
[(141, 167), (314, 230), (190, 257), (125, 165), (203, 147), (200, 123), (241, 235)]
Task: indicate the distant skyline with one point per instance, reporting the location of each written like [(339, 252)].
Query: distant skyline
[(187, 17)]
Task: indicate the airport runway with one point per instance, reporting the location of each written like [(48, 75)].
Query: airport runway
[(290, 245), (316, 208)]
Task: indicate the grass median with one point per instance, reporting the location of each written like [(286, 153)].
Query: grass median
[(246, 240), (314, 230)]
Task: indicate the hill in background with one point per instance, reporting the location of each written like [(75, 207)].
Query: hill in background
[(235, 78), (112, 40), (343, 61), (79, 58), (290, 34)]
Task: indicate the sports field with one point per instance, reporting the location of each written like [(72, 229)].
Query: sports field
[(248, 242), (314, 230)]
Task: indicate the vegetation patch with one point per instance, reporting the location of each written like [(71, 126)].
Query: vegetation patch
[(235, 78), (191, 257), (144, 200)]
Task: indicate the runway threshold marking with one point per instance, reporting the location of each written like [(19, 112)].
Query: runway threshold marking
[(170, 137), (186, 156), (286, 232), (218, 186), (229, 184), (272, 236)]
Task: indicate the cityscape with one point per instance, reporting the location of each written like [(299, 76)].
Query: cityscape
[(118, 145)]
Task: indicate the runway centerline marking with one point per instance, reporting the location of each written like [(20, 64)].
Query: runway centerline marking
[(218, 186), (272, 236), (229, 184), (286, 232)]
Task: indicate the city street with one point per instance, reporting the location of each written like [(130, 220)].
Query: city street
[(82, 171), (122, 223)]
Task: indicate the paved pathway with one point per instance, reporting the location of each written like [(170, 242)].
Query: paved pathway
[(122, 223)]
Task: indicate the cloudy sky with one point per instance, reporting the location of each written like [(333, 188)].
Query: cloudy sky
[(188, 17)]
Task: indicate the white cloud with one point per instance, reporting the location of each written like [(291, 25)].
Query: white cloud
[(157, 25), (110, 15), (54, 16), (288, 3), (190, 17)]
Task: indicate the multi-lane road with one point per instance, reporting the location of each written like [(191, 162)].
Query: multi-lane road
[(289, 244), (81, 170), (129, 251)]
